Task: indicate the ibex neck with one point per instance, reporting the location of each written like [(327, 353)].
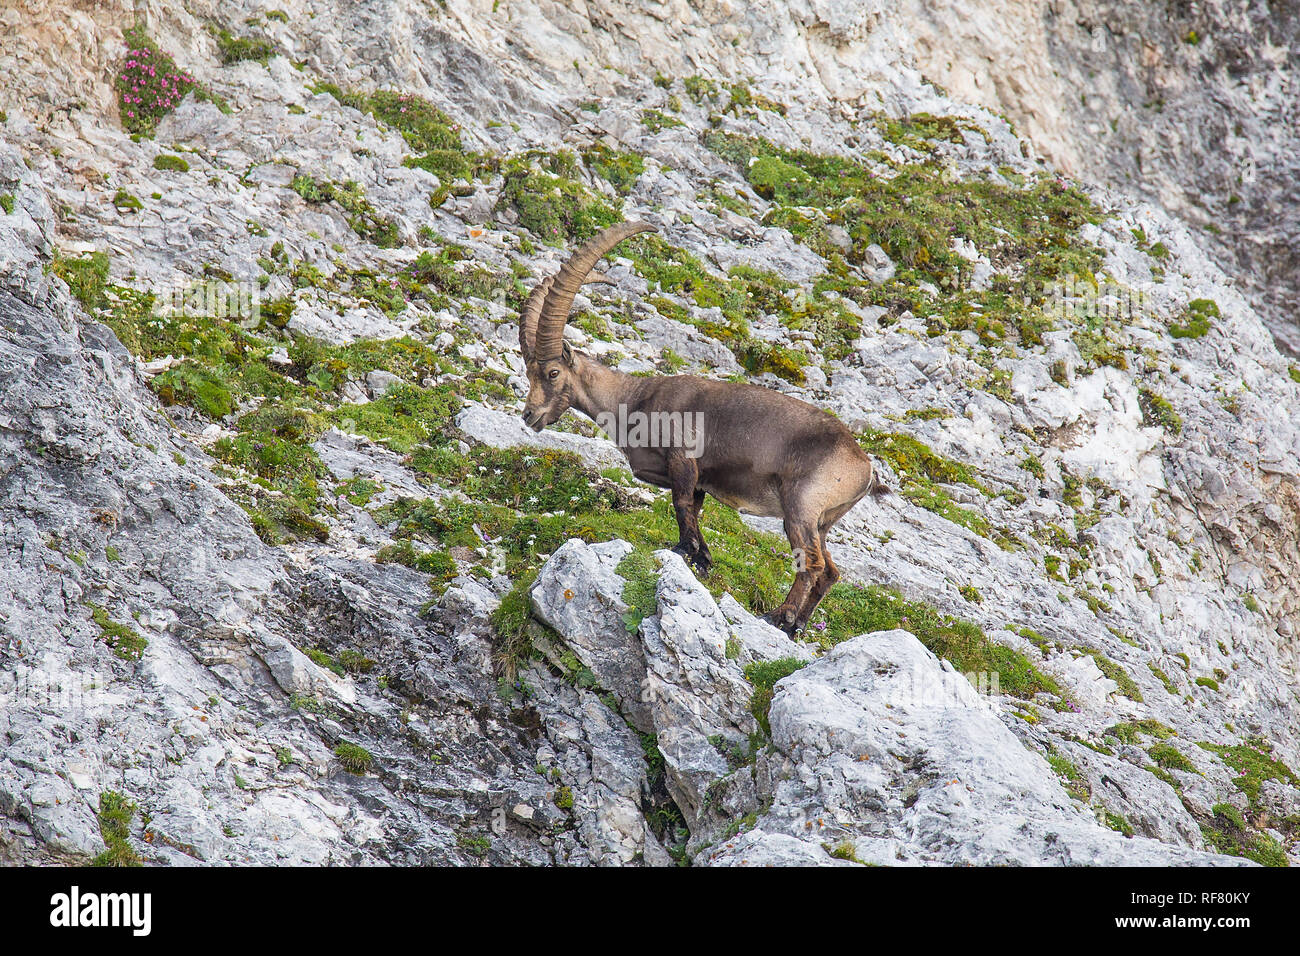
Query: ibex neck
[(600, 389)]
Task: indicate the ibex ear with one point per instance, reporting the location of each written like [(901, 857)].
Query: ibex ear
[(566, 352)]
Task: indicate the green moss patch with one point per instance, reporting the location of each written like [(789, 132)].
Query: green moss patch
[(354, 759), (1228, 832), (921, 131), (849, 610), (1117, 822), (912, 459), (1030, 230), (224, 364), (743, 99), (551, 202), (431, 133), (701, 88), (1076, 784), (115, 815), (402, 418), (439, 564), (234, 49), (1131, 732), (1125, 684), (656, 121), (191, 384), (1196, 319), (743, 296), (1158, 413), (1164, 679), (640, 579), (225, 367), (1170, 758), (1254, 763), (126, 202), (914, 211), (764, 675), (1232, 832), (452, 271), (86, 276), (125, 641), (921, 473), (168, 163), (619, 168), (363, 218)]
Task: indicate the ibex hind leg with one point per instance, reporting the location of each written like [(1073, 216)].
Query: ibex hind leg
[(825, 581), (805, 549), (860, 473)]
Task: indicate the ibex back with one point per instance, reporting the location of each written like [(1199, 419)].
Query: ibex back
[(751, 448)]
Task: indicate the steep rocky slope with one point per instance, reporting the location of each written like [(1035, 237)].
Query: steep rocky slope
[(284, 578), (1191, 105)]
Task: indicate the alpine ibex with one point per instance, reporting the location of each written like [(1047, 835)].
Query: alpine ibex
[(753, 449)]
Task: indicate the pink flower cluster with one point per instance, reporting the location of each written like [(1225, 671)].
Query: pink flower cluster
[(149, 86)]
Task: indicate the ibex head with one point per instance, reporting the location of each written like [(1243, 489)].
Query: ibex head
[(549, 361)]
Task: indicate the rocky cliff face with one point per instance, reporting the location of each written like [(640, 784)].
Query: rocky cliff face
[(1190, 105), (292, 583)]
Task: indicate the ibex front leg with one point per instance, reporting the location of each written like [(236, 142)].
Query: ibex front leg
[(687, 502)]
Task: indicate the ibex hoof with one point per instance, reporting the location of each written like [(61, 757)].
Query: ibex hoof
[(698, 560), (782, 620)]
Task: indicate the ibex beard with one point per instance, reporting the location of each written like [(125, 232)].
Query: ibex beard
[(763, 453)]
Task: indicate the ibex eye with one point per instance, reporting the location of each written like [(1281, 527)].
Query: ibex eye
[(555, 373)]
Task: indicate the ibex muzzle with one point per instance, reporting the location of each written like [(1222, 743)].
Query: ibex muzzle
[(751, 448)]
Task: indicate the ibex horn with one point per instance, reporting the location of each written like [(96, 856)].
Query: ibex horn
[(564, 285)]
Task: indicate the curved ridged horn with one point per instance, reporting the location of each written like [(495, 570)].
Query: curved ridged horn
[(529, 313), (532, 309), (567, 282)]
